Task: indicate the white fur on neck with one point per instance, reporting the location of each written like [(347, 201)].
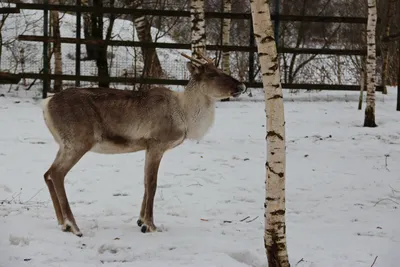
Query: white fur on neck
[(199, 110)]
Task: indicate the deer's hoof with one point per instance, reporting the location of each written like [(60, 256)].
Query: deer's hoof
[(79, 234), (139, 222), (149, 228), (69, 227)]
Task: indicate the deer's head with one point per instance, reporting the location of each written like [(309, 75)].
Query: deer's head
[(212, 81)]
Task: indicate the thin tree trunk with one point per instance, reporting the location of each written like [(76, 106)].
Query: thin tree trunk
[(339, 69), (198, 42), (101, 49), (151, 61), (398, 76), (385, 46), (300, 38), (362, 83), (275, 227), (55, 23), (2, 23), (152, 66), (226, 28), (369, 120), (91, 51)]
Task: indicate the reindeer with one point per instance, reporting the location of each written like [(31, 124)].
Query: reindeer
[(112, 121)]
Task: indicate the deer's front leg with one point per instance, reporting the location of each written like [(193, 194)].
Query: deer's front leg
[(152, 163), (143, 208)]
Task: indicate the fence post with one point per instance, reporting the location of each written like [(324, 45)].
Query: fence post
[(78, 44), (45, 49)]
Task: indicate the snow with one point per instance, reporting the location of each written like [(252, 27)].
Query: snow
[(342, 191)]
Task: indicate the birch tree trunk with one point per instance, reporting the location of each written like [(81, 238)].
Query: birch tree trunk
[(369, 120), (198, 27), (385, 46), (226, 27), (152, 66), (55, 24), (362, 83), (275, 227)]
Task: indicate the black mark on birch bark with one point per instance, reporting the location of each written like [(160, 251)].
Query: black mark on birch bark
[(275, 97), (274, 67), (274, 134), (267, 39), (280, 174), (278, 212)]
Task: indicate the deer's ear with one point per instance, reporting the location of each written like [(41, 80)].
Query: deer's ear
[(194, 69)]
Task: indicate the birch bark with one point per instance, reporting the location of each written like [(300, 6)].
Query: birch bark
[(198, 27), (275, 227), (369, 119), (152, 66), (226, 27), (362, 83)]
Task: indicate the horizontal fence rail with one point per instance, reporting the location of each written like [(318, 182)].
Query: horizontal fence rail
[(123, 80), (8, 78), (184, 13), (70, 40), (9, 10)]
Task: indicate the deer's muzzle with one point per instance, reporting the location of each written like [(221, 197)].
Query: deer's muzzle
[(241, 88)]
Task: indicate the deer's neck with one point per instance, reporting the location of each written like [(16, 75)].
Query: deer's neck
[(199, 111)]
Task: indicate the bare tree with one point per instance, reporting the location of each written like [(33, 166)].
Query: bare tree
[(2, 23), (93, 29), (88, 32), (101, 51), (198, 27), (151, 62), (384, 45), (369, 120), (362, 83), (55, 25), (275, 227), (226, 27)]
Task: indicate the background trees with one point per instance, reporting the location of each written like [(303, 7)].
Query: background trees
[(149, 62)]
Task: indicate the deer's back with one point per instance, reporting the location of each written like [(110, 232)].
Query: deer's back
[(115, 121)]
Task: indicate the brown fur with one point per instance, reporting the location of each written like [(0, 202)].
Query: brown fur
[(112, 121)]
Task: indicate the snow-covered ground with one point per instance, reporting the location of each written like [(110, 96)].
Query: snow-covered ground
[(343, 193)]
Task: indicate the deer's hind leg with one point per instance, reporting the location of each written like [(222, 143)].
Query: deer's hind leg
[(66, 158), (53, 196)]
